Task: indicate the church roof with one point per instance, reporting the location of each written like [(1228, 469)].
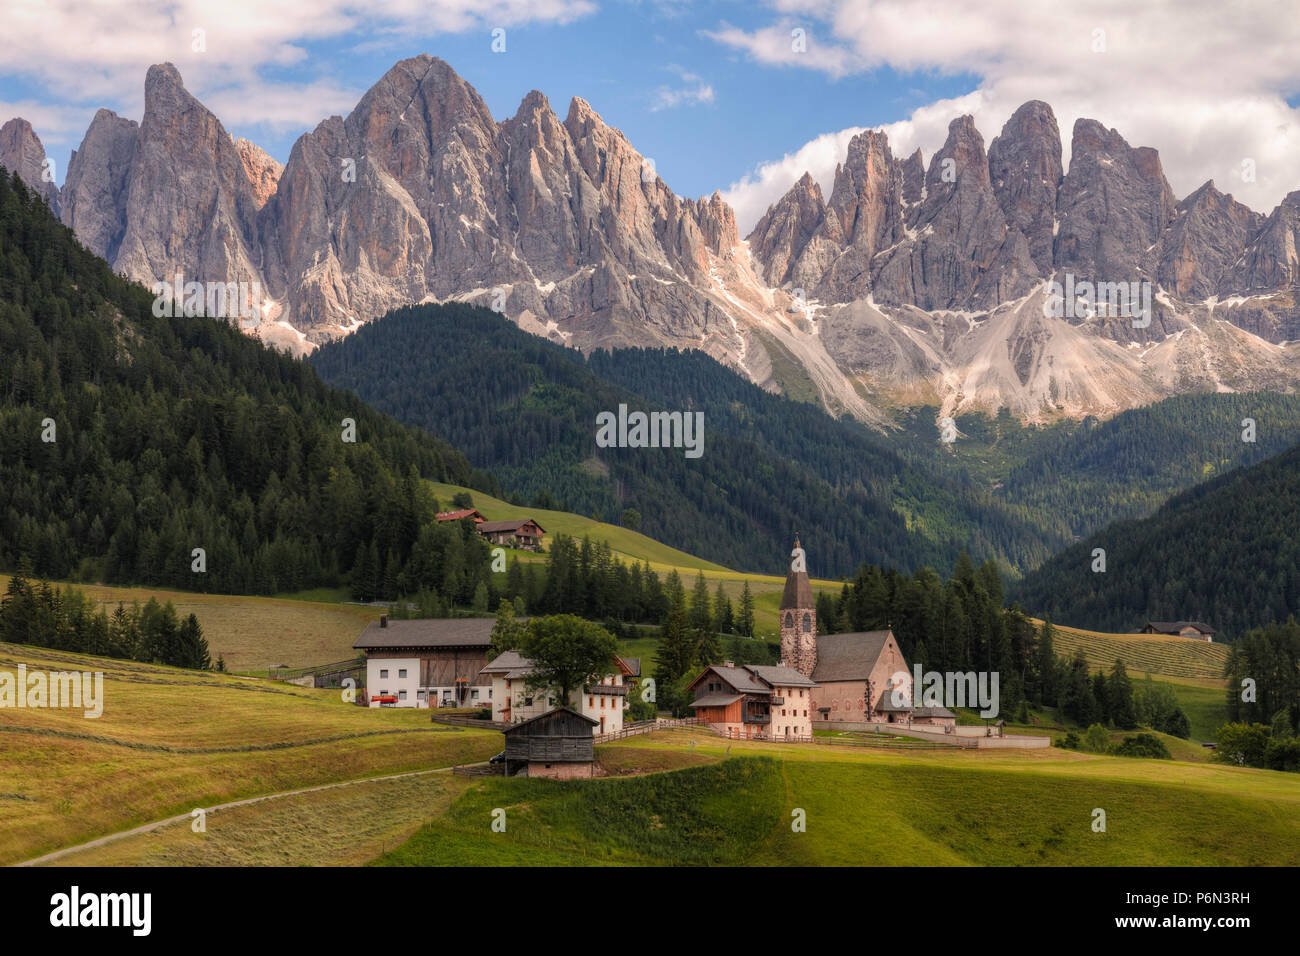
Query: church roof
[(848, 656), (886, 703), (798, 592)]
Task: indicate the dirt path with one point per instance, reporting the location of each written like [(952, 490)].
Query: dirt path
[(182, 817)]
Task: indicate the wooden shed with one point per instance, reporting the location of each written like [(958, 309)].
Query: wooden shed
[(557, 744)]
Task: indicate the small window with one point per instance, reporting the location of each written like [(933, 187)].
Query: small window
[(591, 701), (807, 623), (383, 674), (528, 702), (401, 672), (401, 695), (473, 694)]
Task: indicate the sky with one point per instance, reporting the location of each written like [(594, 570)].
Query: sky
[(740, 96)]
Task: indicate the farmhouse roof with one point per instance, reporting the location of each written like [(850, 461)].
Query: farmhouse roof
[(633, 665), (716, 700), (428, 632), (489, 527), (738, 677), (1173, 627), (507, 661), (457, 515), (780, 676), (848, 656), (548, 716)]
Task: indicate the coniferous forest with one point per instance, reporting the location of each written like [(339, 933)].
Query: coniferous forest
[(128, 441), (1225, 552), (526, 409)]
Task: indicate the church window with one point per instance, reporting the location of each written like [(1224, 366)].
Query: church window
[(807, 623), (789, 619)]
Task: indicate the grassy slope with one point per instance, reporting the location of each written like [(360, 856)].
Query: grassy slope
[(1178, 657), (171, 740), (346, 826), (875, 808), (254, 633), (634, 546)]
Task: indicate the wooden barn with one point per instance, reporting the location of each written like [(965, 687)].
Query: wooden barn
[(522, 533), (430, 662), (1196, 630), (557, 744)]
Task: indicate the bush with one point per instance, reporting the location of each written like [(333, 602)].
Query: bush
[(1069, 742), (1242, 744), (1283, 753), (1097, 739), (1143, 745)]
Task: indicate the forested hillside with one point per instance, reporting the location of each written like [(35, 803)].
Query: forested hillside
[(1076, 477), (127, 441), (1225, 552), (526, 409)]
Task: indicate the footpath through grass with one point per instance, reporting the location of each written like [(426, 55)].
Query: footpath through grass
[(171, 740)]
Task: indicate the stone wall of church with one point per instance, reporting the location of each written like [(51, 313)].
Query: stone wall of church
[(799, 640)]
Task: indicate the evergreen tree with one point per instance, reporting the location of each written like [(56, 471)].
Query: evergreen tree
[(1120, 691), (745, 618)]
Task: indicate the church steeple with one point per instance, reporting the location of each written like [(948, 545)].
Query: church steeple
[(798, 616)]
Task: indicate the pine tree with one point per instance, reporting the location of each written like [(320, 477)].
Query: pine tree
[(1120, 691), (745, 617), (722, 614)]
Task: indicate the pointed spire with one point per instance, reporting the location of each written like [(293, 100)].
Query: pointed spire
[(798, 590)]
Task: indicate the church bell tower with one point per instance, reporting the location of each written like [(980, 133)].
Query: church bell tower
[(798, 616)]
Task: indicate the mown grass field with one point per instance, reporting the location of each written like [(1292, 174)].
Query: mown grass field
[(254, 633), (344, 826), (1145, 653), (873, 808), (171, 740)]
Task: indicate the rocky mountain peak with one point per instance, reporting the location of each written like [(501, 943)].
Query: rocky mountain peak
[(22, 152), (1113, 204), (907, 281), (262, 170), (1025, 171)]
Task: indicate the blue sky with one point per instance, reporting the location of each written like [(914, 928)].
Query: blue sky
[(715, 91), (627, 59)]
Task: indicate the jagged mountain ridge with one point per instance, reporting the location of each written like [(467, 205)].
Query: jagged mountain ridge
[(908, 283)]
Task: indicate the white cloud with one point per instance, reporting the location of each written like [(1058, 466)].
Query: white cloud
[(751, 196), (96, 52), (1205, 86), (695, 92)]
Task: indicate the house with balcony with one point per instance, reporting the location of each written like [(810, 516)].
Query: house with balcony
[(754, 701), (603, 700), (523, 533), (430, 662)]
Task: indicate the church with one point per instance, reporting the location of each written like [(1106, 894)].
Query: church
[(853, 675)]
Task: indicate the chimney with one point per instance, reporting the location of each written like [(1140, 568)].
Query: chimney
[(383, 620), (728, 663)]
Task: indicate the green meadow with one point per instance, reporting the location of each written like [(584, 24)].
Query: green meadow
[(872, 808)]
